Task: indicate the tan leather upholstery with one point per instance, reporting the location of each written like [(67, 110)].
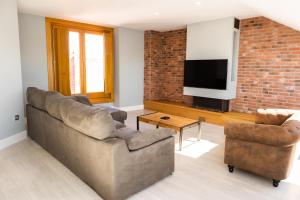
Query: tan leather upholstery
[(273, 116), (266, 149)]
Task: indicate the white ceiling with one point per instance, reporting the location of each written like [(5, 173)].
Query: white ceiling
[(283, 11), (161, 14)]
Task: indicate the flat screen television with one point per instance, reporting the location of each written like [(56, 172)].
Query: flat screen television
[(210, 74)]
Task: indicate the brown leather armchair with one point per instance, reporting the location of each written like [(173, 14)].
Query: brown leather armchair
[(265, 148)]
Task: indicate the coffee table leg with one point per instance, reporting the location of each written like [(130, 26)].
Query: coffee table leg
[(180, 139), (137, 123), (199, 131)]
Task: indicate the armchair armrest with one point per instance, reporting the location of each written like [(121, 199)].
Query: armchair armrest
[(146, 138), (260, 133)]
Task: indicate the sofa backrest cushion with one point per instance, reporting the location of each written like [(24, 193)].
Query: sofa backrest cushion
[(52, 102), (93, 121), (36, 97), (82, 99)]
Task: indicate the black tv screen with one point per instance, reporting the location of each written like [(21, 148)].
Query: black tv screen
[(210, 74)]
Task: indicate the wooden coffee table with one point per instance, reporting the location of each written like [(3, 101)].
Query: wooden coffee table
[(170, 121)]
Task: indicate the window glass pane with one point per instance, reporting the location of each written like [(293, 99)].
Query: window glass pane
[(74, 62), (94, 55)]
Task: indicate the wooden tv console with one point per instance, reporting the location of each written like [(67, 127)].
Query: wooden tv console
[(194, 113)]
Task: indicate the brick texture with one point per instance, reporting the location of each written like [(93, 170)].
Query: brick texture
[(269, 66), (164, 64), (268, 73), (152, 70)]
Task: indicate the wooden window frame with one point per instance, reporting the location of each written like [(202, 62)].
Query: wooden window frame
[(108, 94)]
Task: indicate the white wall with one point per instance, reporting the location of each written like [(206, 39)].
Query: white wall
[(214, 40), (11, 101), (33, 51), (129, 67)]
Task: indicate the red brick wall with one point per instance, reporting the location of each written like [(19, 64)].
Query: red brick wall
[(164, 63), (153, 63), (269, 66), (268, 74)]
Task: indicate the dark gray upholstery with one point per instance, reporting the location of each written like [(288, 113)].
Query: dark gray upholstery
[(48, 100), (147, 138), (136, 140), (92, 121), (52, 101), (106, 165), (83, 99), (119, 125), (36, 97), (117, 114)]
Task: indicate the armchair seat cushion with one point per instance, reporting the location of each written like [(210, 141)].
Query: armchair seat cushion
[(136, 140)]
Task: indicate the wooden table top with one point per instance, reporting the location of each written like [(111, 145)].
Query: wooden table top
[(175, 122)]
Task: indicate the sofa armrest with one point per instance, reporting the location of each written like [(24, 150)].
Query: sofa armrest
[(146, 138), (261, 133), (273, 116)]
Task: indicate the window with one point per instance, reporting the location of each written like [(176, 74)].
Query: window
[(80, 59), (94, 59)]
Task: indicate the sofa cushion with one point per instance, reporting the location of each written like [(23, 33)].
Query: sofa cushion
[(116, 114), (92, 121), (119, 125), (137, 140), (52, 102), (36, 97), (82, 99), (125, 133)]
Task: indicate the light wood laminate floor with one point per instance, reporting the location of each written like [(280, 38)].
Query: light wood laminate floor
[(27, 172)]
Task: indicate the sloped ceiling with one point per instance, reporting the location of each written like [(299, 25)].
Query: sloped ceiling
[(286, 12), (161, 15)]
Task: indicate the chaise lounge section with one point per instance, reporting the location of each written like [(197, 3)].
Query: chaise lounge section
[(112, 159)]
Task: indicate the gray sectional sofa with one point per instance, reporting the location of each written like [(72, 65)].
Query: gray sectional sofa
[(112, 159)]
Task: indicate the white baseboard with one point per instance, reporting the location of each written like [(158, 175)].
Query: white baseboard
[(4, 143), (132, 108)]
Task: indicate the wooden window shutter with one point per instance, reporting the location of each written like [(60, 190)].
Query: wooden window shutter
[(61, 60), (109, 63), (61, 73)]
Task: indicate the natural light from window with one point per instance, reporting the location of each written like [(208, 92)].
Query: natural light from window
[(74, 62), (194, 149), (94, 55)]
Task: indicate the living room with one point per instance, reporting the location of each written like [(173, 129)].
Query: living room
[(194, 99)]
